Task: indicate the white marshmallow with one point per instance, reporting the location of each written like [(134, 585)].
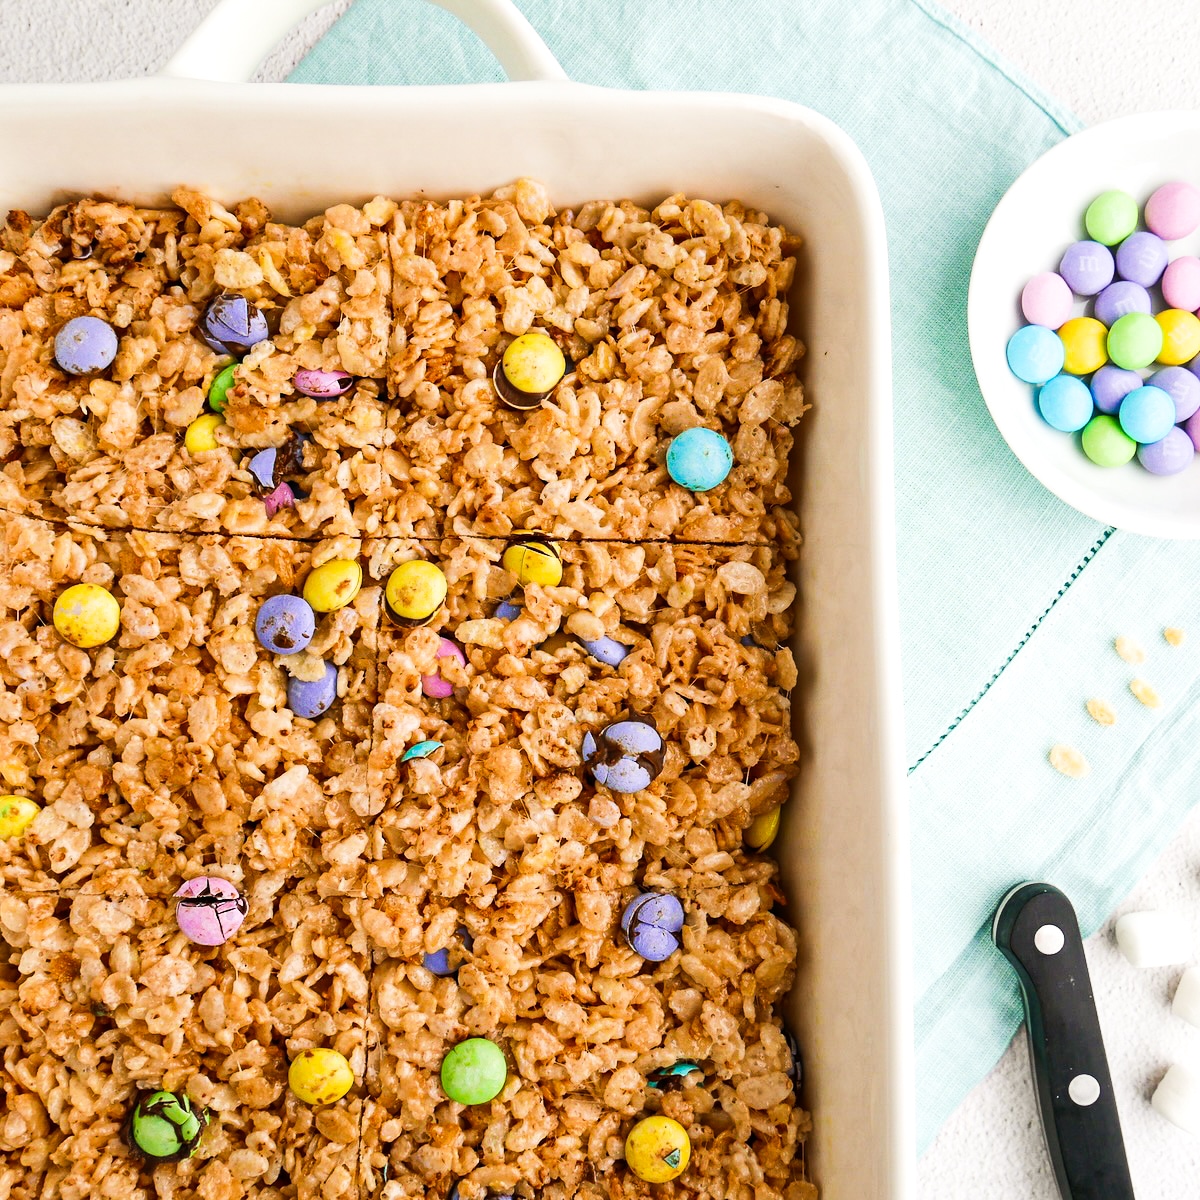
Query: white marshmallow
[(1153, 939), (1177, 1098), (1187, 997)]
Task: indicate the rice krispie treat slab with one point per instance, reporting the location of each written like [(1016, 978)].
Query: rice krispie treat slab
[(108, 448), (105, 1000), (172, 748), (667, 319), (584, 1023)]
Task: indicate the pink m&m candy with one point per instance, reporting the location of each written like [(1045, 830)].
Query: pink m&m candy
[(435, 685), (1173, 211), (1046, 300), (1181, 283)]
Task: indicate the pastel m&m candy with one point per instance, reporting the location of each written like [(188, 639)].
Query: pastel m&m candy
[(1142, 258), (1111, 217), (1110, 385), (1173, 211), (658, 1149), (474, 1071), (165, 1126), (1106, 443), (1181, 336), (85, 345), (1181, 283), (210, 910), (333, 584), (1182, 386), (1134, 341), (437, 687), (309, 698), (320, 1076), (1119, 299), (1035, 354), (1147, 414), (87, 615), (1170, 455), (1065, 403), (1088, 268), (1046, 300), (1084, 342)]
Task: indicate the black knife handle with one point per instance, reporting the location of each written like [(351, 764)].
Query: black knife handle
[(1037, 931)]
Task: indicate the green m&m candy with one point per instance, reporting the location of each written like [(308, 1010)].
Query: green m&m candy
[(474, 1072), (219, 388), (165, 1126), (1111, 217), (1134, 340), (1106, 443)]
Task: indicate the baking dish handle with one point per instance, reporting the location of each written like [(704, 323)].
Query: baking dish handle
[(238, 34)]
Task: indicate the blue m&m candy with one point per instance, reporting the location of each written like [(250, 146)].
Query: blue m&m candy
[(699, 459), (1035, 354), (1147, 414), (1065, 403)]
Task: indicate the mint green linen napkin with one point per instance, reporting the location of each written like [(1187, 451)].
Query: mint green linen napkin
[(1009, 600)]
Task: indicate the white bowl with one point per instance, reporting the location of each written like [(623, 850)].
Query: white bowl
[(1040, 215)]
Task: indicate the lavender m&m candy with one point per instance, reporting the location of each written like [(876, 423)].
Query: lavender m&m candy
[(262, 468), (1110, 385), (507, 611), (651, 924), (1173, 211), (285, 624), (309, 698), (1120, 298), (1181, 283), (232, 325), (437, 687), (627, 756), (611, 652), (1046, 300), (323, 385), (85, 345), (1142, 258), (1192, 428), (445, 962), (1182, 386), (210, 910), (1172, 454), (1087, 267)]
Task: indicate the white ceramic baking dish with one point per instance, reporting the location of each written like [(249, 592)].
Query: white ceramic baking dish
[(844, 843)]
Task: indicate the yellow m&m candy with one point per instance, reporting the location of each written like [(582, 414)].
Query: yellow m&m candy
[(529, 371), (658, 1149), (16, 813), (333, 585), (87, 615), (415, 590), (1085, 343), (762, 831), (320, 1076), (1181, 336), (534, 561), (201, 433)]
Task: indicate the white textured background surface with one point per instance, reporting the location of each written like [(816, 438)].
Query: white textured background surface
[(1101, 58)]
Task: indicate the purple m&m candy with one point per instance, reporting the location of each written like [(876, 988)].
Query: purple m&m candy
[(611, 652), (309, 698), (1110, 385), (437, 687), (1182, 386), (323, 385), (210, 910), (232, 325), (651, 924), (445, 962), (285, 624), (627, 756), (1142, 258), (507, 611), (85, 345), (1120, 298), (1172, 454), (1087, 267)]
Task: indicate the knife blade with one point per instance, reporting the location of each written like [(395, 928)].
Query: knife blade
[(1036, 929)]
